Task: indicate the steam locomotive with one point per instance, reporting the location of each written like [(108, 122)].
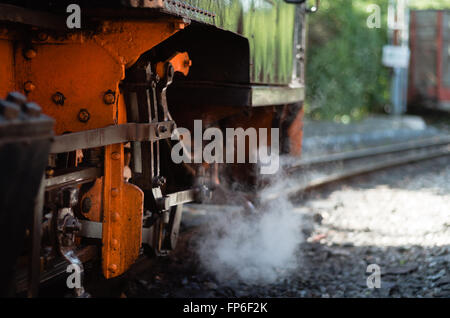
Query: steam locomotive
[(93, 94)]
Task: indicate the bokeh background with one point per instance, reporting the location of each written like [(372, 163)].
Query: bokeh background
[(345, 78)]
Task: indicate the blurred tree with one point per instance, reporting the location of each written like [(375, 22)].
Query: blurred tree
[(345, 78)]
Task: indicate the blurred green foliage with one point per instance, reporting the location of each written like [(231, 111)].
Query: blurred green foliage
[(345, 77), (344, 74)]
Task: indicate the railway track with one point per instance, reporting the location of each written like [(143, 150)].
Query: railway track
[(311, 173)]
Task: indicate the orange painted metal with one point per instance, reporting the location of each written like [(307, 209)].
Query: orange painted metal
[(84, 67), (295, 134), (123, 205), (75, 78), (179, 61), (6, 67)]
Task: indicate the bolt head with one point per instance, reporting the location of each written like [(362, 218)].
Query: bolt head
[(109, 98), (30, 54), (29, 87), (58, 98)]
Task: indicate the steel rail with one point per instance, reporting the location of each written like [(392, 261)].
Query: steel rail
[(360, 169), (370, 152)]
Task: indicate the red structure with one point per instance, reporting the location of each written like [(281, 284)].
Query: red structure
[(429, 80)]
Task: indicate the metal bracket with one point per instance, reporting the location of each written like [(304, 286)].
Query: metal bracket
[(92, 229), (113, 135)]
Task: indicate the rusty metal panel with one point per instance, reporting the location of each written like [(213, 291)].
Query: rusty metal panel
[(446, 51), (425, 48)]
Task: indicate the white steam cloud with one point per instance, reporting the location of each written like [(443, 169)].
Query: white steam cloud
[(257, 248)]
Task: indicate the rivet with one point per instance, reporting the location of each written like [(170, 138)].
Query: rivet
[(29, 86), (30, 54), (112, 268), (84, 115), (114, 243), (115, 216), (114, 192), (115, 155)]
